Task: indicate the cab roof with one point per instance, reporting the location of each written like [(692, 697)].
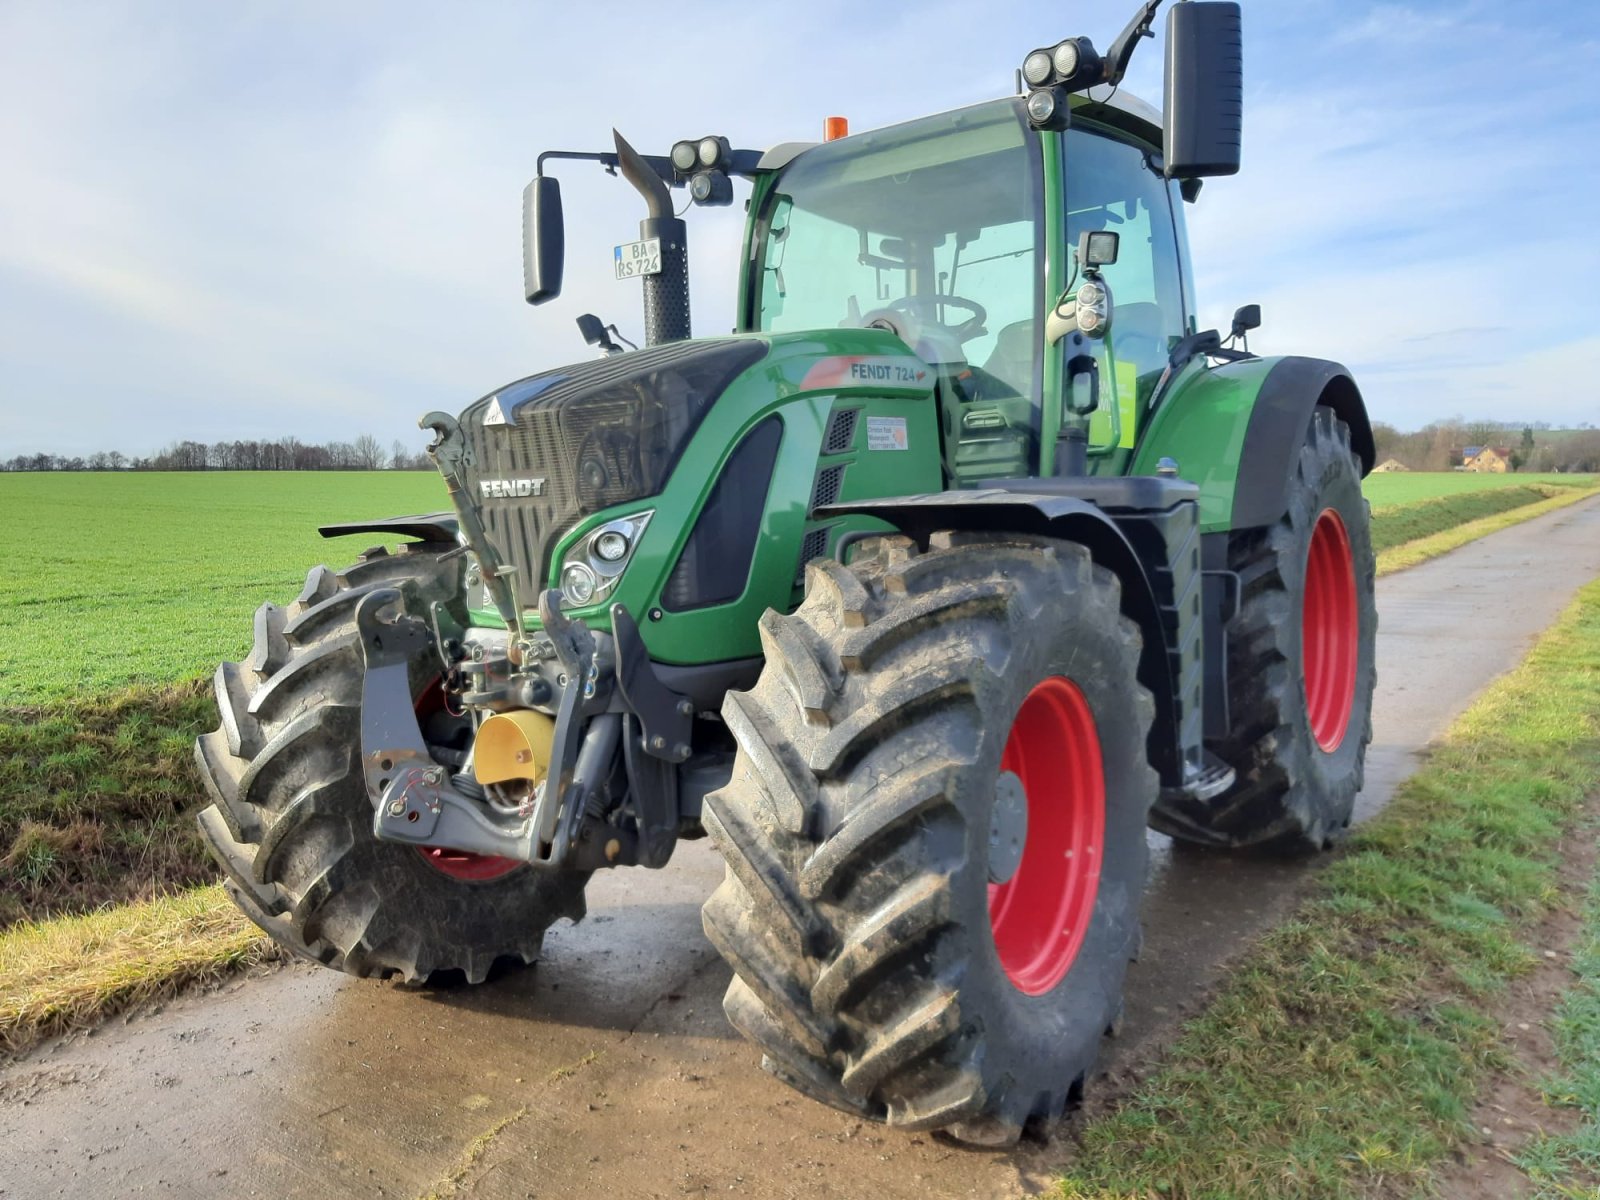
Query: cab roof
[(1119, 108)]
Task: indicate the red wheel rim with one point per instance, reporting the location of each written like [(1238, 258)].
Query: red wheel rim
[(1040, 915), (1330, 631), (458, 864)]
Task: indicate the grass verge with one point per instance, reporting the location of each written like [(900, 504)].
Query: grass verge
[(71, 972), (97, 800), (1566, 1166), (1340, 1058), (1394, 525), (1397, 557)]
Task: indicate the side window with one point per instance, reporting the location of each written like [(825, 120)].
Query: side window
[(1109, 186)]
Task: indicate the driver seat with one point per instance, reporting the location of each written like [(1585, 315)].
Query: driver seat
[(1011, 360)]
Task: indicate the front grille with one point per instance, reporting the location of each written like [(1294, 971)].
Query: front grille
[(841, 431), (815, 545), (826, 488), (596, 435)]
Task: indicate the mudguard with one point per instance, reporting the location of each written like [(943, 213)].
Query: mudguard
[(1234, 430), (1078, 520), (426, 527)]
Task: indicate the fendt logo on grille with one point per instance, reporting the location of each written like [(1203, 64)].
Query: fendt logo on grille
[(510, 489)]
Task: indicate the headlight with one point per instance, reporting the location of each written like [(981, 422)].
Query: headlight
[(1065, 59), (595, 562), (578, 584), (710, 151), (1036, 68), (683, 156), (1093, 309), (611, 546), (1041, 106)]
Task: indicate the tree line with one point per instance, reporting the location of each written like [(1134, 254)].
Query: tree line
[(1440, 445), (1434, 447), (366, 453)]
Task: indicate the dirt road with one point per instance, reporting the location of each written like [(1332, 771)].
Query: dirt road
[(609, 1070)]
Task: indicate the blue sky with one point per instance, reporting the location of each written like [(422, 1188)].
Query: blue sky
[(253, 219)]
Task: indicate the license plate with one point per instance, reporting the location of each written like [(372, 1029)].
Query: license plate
[(638, 258)]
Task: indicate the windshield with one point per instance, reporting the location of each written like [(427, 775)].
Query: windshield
[(932, 227)]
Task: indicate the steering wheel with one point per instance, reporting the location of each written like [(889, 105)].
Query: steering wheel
[(921, 310)]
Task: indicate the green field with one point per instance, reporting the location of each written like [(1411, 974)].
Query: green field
[(148, 578), (1408, 487), (152, 578)]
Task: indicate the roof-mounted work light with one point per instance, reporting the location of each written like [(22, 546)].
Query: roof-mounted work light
[(1052, 73), (703, 164)]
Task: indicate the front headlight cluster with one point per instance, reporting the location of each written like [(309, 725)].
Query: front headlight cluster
[(595, 562)]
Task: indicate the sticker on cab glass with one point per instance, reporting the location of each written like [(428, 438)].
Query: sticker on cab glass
[(887, 433)]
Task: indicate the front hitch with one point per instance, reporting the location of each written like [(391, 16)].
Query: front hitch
[(415, 799)]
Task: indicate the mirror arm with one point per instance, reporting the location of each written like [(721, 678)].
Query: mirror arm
[(608, 159), (743, 163), (1117, 58)]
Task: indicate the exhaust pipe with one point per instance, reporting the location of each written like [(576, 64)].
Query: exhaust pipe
[(666, 295)]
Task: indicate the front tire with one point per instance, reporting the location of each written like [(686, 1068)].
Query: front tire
[(1300, 664), (290, 820), (875, 963)]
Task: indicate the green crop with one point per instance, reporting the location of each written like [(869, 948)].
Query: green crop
[(1408, 487), (113, 580)]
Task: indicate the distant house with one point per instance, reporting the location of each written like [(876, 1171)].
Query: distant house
[(1390, 464), (1487, 460)]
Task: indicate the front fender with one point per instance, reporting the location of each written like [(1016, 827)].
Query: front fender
[(1073, 519), (1234, 430), (426, 527)]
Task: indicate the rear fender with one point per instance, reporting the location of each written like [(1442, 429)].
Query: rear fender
[(1235, 430), (1069, 519)]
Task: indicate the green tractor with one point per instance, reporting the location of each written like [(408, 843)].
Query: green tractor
[(966, 558)]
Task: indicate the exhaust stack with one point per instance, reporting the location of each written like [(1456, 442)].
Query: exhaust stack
[(666, 295)]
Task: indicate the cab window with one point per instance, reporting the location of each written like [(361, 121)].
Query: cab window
[(1110, 186)]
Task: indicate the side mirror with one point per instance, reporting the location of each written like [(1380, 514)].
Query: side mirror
[(543, 239), (1083, 385), (1245, 318), (595, 333), (1204, 89)]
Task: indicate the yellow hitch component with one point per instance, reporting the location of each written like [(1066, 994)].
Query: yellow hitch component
[(513, 745)]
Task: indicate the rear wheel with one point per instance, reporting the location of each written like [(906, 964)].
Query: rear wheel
[(290, 820), (935, 833), (1300, 664)]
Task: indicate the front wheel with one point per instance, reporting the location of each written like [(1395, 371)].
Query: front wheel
[(1300, 663), (290, 820), (934, 833)]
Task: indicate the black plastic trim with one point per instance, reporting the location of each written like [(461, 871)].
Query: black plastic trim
[(1220, 595), (1289, 395), (707, 683), (1065, 516), (426, 527)]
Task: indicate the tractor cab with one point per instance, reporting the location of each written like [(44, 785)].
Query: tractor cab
[(956, 233)]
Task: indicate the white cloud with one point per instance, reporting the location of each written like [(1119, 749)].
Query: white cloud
[(254, 219)]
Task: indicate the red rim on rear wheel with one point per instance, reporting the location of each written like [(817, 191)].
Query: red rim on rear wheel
[(1330, 631), (1040, 915), (458, 864)]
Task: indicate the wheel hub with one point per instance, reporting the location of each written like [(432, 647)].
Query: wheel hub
[(1041, 912), (1008, 827)]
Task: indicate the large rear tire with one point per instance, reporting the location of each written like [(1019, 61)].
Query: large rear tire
[(909, 710), (1300, 664), (290, 820)]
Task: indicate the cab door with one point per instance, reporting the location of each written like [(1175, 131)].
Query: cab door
[(1111, 185)]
